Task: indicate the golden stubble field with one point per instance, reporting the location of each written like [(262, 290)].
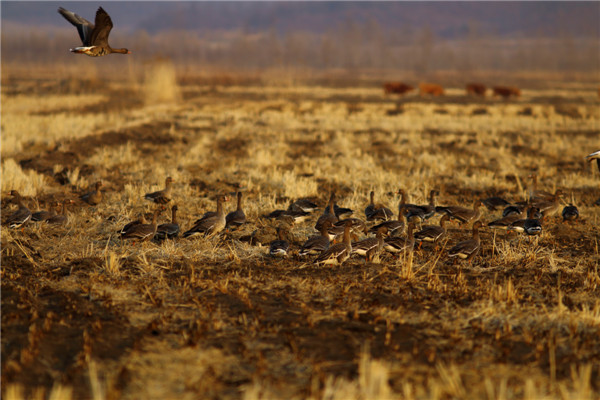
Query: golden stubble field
[(87, 316)]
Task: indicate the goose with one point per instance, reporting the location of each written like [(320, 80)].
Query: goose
[(328, 213), (212, 225), (93, 37), (530, 226), (43, 215), (422, 211), (304, 205), (513, 209), (462, 214), (21, 216), (143, 232), (495, 202), (60, 219), (570, 213), (377, 212), (504, 222), (338, 253), (342, 212), (161, 196), (370, 246), (169, 230), (548, 206), (93, 197), (236, 218), (131, 224), (317, 244), (397, 244), (467, 249), (393, 227), (280, 246), (433, 233)]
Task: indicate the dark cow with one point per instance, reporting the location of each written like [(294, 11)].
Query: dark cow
[(431, 88), (506, 91), (477, 89), (396, 88)]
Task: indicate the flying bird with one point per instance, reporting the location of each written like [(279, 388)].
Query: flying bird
[(94, 37)]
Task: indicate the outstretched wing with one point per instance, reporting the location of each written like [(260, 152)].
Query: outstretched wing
[(103, 26), (84, 27)]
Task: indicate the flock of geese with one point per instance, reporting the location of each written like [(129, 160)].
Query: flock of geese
[(339, 231)]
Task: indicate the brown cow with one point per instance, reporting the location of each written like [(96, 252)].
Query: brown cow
[(506, 91), (430, 88), (396, 88), (477, 89)]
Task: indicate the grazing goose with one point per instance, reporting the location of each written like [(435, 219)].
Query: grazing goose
[(21, 216), (513, 209), (131, 224), (433, 233), (169, 230), (422, 211), (93, 197), (357, 226), (549, 205), (570, 213), (467, 249), (530, 226), (43, 215), (143, 232), (462, 214), (280, 246), (397, 244), (161, 196), (495, 202), (304, 205), (338, 253), (236, 218), (317, 244), (504, 222), (342, 212), (370, 246), (60, 219), (212, 225), (93, 37), (328, 213), (377, 212)]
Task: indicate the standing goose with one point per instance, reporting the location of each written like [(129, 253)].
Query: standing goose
[(338, 253), (467, 249), (161, 196), (433, 233), (317, 244), (131, 224), (393, 227), (236, 218), (377, 212), (423, 211), (356, 226), (530, 226), (328, 213), (342, 212), (143, 232), (549, 205), (169, 230), (304, 205), (504, 222), (398, 244), (21, 216), (370, 246), (94, 197), (93, 37), (513, 209), (60, 219), (279, 247), (495, 202), (43, 215), (212, 225)]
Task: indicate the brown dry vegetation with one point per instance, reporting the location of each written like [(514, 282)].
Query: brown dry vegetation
[(87, 316)]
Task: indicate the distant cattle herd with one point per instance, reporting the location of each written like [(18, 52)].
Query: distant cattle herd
[(472, 89)]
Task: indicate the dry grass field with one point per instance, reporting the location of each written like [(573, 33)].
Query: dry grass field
[(85, 315)]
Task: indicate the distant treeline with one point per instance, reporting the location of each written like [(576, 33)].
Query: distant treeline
[(351, 46)]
